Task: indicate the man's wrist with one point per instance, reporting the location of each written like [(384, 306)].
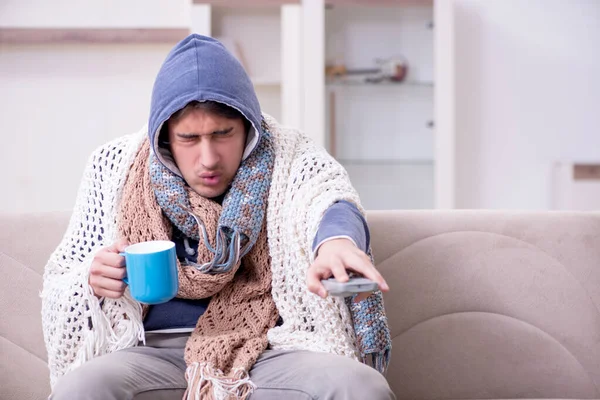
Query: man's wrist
[(329, 239)]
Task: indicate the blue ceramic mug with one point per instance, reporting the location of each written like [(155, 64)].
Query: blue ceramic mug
[(151, 271)]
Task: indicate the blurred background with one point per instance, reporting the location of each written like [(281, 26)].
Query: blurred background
[(427, 103)]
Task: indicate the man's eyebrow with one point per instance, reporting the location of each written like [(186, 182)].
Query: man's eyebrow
[(187, 135)]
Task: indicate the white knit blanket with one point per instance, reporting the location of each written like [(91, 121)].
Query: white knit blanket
[(306, 181)]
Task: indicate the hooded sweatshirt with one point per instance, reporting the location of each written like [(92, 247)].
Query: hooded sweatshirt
[(199, 68)]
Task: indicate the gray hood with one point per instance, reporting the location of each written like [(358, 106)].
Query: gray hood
[(199, 68)]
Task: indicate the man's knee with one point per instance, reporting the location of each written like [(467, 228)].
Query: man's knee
[(338, 377), (92, 380), (354, 380)]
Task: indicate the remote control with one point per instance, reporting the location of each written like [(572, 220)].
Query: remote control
[(346, 289)]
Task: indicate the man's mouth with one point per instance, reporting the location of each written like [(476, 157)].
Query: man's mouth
[(210, 179)]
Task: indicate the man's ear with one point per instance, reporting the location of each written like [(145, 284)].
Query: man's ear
[(163, 136), (247, 126)]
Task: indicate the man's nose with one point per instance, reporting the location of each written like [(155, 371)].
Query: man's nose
[(209, 157)]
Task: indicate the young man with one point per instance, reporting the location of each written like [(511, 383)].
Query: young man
[(259, 216)]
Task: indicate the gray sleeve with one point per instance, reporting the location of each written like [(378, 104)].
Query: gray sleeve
[(343, 219)]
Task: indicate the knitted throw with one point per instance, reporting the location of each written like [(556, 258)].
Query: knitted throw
[(232, 333), (305, 182)]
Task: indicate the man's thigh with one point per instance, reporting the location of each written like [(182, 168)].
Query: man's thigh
[(302, 375), (143, 372)]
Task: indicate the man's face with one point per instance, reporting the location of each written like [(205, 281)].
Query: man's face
[(208, 150)]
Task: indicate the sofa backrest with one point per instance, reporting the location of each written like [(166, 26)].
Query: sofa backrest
[(491, 305), (483, 304), (26, 242)]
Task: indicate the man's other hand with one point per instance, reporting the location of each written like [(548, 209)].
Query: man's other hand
[(108, 270)]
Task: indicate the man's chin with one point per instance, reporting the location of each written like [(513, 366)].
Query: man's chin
[(209, 192)]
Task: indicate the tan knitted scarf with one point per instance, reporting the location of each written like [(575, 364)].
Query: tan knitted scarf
[(232, 333)]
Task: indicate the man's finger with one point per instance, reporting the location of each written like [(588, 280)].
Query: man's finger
[(111, 259), (108, 293), (339, 271), (115, 285), (121, 244), (315, 273), (113, 272), (118, 246), (368, 270)]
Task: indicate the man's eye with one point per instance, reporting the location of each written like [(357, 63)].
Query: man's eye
[(223, 134)]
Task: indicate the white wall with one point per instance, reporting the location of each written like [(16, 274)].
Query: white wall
[(256, 35), (527, 95), (95, 13), (60, 102), (57, 105), (444, 105)]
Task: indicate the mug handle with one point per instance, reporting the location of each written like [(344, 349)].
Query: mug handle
[(124, 279)]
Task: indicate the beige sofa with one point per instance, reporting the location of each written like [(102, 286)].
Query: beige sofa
[(484, 305)]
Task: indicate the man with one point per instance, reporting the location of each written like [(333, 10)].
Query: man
[(259, 216)]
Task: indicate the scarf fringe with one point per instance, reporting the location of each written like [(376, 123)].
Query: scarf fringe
[(206, 382), (227, 251), (380, 360)]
